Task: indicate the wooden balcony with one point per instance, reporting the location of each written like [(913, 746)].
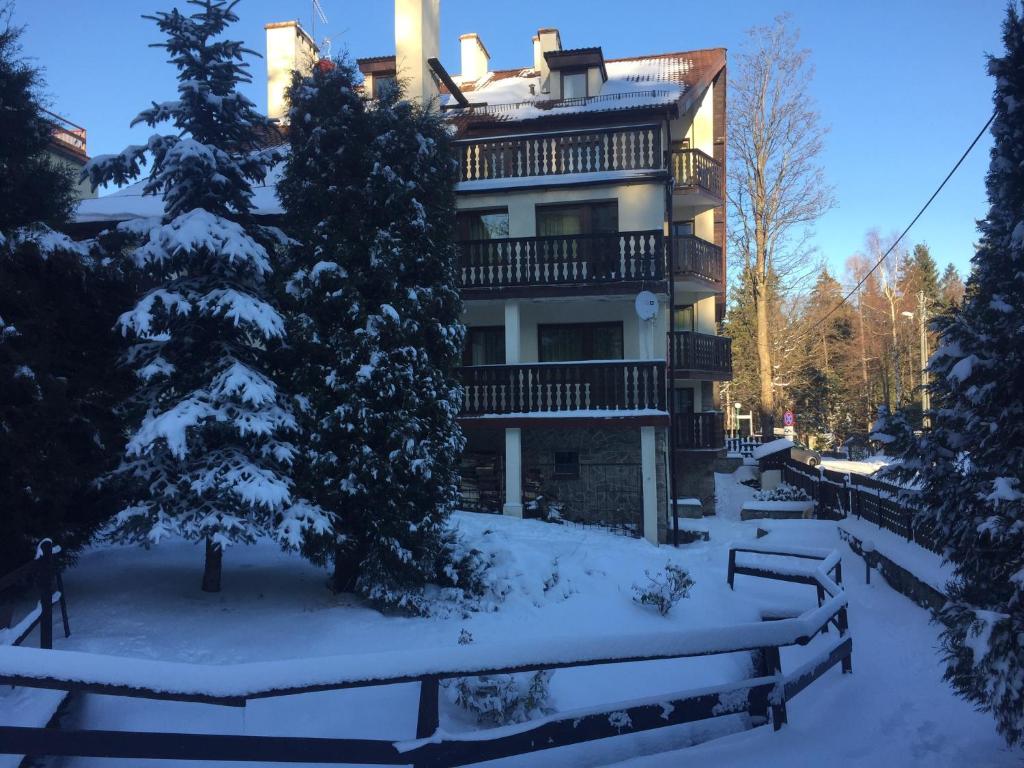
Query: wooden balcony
[(596, 389), (537, 265), (696, 171), (634, 148), (696, 260), (701, 356), (698, 431)]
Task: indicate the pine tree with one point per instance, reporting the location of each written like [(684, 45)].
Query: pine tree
[(923, 275), (57, 394), (369, 191), (971, 465), (33, 187), (951, 288), (209, 457)]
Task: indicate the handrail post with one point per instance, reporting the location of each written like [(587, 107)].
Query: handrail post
[(44, 575), (732, 567), (428, 718), (773, 666), (844, 628)]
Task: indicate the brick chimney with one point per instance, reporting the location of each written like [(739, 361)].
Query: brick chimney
[(289, 48), (475, 58), (417, 38)]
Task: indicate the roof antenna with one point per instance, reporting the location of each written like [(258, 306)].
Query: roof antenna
[(317, 11)]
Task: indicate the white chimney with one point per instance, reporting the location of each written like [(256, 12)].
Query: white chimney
[(289, 48), (538, 57), (417, 38), (475, 58), (549, 40)]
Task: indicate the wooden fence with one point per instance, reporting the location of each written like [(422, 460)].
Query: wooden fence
[(45, 572), (839, 495), (761, 697)]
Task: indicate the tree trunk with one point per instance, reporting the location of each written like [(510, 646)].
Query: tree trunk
[(764, 360), (211, 568), (346, 570)]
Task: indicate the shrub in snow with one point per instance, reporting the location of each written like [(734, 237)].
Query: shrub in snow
[(663, 590), (893, 431), (59, 387), (208, 455), (372, 288), (783, 492), (502, 699), (969, 468)]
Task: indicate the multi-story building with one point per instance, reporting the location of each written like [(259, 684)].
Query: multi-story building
[(592, 258), (592, 263), (68, 148)]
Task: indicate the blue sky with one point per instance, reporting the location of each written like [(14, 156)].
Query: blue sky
[(901, 84)]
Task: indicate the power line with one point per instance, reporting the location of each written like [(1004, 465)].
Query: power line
[(903, 233)]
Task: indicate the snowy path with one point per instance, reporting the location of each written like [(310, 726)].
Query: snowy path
[(894, 710)]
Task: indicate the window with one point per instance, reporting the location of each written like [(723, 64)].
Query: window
[(380, 82), (485, 345), (574, 85), (683, 318), (579, 341), (683, 400), (567, 464), (683, 228), (482, 225), (578, 219)]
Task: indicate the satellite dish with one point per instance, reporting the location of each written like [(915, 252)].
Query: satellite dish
[(646, 305)]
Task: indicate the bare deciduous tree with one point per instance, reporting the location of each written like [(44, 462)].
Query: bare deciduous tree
[(777, 187)]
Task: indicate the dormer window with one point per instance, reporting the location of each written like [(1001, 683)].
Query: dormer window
[(574, 84), (381, 83)]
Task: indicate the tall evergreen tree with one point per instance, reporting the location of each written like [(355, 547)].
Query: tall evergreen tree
[(369, 191), (57, 394), (951, 287), (209, 456), (923, 275), (971, 464)]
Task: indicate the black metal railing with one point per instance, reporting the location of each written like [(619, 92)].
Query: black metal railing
[(694, 257), (562, 260), (554, 154), (698, 431), (701, 353), (564, 387), (693, 168)]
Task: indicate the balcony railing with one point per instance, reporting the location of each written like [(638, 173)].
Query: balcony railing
[(563, 260), (554, 154), (701, 355), (693, 168), (698, 431), (694, 257), (601, 387)]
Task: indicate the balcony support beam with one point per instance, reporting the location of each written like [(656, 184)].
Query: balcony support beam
[(648, 471), (511, 332), (513, 473)]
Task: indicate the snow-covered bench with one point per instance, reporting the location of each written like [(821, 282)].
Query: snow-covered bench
[(777, 510)]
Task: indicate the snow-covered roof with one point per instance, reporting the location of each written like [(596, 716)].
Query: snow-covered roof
[(636, 82)]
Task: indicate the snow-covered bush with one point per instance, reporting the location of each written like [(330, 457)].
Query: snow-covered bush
[(783, 492), (664, 589), (502, 699), (893, 431)]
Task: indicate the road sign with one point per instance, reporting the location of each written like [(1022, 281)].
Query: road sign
[(788, 419)]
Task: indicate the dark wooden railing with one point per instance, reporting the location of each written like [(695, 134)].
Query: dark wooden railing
[(563, 260), (701, 353), (762, 696), (607, 386), (694, 257), (698, 431), (693, 168), (48, 580), (555, 154)]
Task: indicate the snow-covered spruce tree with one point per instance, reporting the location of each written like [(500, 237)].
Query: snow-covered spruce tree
[(209, 458), (970, 466), (57, 430), (893, 431), (369, 192)]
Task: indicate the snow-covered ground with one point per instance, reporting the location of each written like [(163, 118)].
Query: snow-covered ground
[(866, 466), (565, 582)]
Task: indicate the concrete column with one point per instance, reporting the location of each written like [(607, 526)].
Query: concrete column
[(645, 339), (649, 473), (511, 332), (514, 473)]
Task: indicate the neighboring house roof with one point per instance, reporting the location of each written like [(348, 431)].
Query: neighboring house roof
[(635, 82)]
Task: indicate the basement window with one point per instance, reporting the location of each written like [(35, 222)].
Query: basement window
[(567, 464)]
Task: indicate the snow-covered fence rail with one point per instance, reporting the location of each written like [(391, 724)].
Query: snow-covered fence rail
[(761, 697), (49, 581)]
